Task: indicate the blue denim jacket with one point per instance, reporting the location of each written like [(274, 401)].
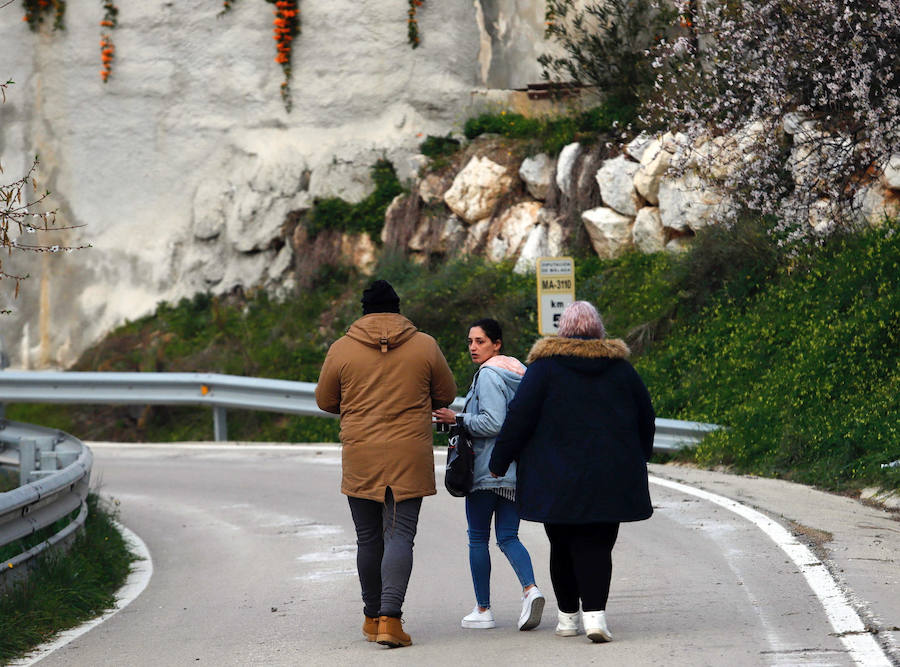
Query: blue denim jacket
[(491, 391)]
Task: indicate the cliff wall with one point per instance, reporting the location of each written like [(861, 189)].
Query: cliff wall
[(179, 169)]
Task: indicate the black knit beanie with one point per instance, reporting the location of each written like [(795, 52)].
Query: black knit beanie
[(380, 298)]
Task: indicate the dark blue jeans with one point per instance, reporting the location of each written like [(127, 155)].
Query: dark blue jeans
[(480, 507)]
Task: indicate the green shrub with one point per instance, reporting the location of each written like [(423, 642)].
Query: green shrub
[(803, 369), (435, 147), (551, 133), (333, 213), (605, 44)]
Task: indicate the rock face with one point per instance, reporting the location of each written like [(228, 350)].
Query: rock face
[(185, 172), (181, 170)]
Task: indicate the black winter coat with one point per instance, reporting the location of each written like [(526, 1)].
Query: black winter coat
[(581, 427)]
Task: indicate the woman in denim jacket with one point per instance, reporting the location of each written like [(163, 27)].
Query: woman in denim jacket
[(493, 387)]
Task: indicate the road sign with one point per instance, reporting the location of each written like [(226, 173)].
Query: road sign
[(555, 290)]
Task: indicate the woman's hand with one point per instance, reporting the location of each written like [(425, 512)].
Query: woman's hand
[(444, 416)]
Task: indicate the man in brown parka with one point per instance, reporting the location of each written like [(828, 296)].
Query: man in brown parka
[(384, 377)]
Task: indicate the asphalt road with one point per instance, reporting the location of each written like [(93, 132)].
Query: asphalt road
[(253, 564)]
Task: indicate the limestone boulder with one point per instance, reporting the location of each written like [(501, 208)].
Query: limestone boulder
[(655, 160), (477, 188), (537, 174), (648, 233), (688, 202), (565, 168), (636, 147), (544, 240), (511, 229), (875, 203), (609, 231), (890, 177), (616, 181), (476, 235), (438, 235), (431, 189)]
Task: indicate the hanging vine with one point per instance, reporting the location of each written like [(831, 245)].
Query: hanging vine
[(412, 26), (36, 10), (287, 26), (226, 6), (107, 48)]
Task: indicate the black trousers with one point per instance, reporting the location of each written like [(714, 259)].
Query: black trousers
[(385, 533), (581, 564)]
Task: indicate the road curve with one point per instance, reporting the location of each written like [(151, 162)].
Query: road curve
[(253, 553)]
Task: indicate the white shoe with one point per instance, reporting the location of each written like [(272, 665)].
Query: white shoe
[(532, 608), (567, 625), (595, 626), (479, 620)]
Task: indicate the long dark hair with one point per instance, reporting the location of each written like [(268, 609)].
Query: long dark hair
[(491, 327)]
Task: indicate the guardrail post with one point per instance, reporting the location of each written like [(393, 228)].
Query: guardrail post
[(26, 460), (220, 424)]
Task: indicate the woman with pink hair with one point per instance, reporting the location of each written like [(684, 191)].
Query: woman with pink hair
[(581, 430)]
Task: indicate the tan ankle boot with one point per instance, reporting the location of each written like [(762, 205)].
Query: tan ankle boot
[(390, 632), (370, 628)]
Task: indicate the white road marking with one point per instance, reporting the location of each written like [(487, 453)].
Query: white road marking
[(141, 571), (848, 626)]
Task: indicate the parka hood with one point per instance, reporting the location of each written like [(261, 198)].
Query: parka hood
[(585, 354), (509, 369), (382, 330), (507, 363)]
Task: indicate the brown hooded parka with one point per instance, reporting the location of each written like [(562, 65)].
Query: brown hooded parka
[(384, 377)]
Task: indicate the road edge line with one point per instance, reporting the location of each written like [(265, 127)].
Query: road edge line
[(138, 578), (845, 620)]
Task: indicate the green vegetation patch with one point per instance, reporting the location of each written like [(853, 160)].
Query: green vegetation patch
[(552, 133), (66, 589), (794, 349), (803, 368), (333, 213)]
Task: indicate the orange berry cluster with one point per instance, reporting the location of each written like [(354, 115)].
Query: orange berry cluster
[(287, 25), (107, 48), (412, 31), (36, 9)]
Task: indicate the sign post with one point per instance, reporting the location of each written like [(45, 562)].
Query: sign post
[(555, 290)]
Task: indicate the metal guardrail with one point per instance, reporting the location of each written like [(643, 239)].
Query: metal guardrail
[(212, 390), (54, 475), (220, 392), (55, 467)]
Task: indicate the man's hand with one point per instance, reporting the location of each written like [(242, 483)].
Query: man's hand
[(444, 416)]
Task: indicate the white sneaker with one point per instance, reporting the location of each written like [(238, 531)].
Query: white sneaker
[(595, 626), (532, 608), (567, 625), (479, 620)]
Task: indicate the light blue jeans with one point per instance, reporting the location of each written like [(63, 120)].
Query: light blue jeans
[(480, 507)]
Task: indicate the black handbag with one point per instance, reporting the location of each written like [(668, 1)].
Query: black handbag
[(459, 474)]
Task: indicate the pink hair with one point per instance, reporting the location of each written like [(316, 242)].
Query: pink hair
[(580, 318)]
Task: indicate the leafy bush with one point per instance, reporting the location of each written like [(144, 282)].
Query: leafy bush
[(435, 147), (365, 216), (605, 44), (803, 369), (550, 134)]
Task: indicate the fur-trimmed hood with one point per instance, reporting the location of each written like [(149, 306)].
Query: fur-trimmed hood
[(583, 348)]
